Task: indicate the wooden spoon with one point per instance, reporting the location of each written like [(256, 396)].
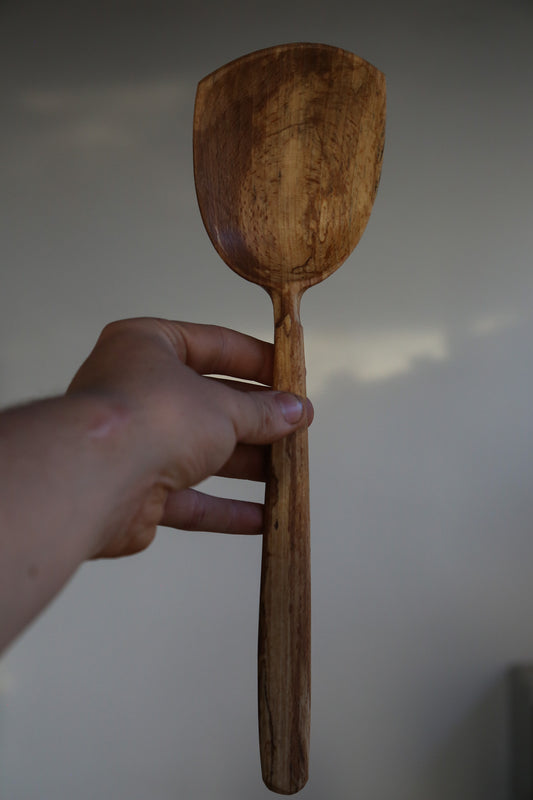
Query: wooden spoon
[(288, 144)]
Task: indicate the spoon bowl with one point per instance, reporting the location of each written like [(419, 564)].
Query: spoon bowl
[(288, 145)]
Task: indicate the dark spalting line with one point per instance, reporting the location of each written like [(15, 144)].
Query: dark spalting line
[(301, 268), (268, 778)]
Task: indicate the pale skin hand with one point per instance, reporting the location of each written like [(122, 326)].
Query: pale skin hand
[(93, 473)]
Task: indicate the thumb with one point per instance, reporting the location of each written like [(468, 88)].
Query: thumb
[(262, 417)]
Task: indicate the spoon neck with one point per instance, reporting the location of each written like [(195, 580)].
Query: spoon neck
[(289, 361), (286, 303)]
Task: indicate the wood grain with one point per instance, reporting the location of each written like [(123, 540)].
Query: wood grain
[(284, 650), (288, 145)]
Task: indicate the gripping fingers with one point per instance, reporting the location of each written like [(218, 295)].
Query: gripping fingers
[(248, 462), (191, 510)]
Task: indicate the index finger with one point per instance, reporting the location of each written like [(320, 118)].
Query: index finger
[(212, 349)]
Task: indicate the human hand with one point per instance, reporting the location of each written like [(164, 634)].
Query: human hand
[(184, 426)]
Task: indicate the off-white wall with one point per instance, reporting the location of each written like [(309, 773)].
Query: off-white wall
[(139, 681)]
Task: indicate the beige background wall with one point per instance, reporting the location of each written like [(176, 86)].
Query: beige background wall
[(139, 681)]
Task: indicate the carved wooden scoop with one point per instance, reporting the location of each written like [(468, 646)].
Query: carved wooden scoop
[(288, 144)]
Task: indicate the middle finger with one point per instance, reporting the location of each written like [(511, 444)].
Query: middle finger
[(248, 462)]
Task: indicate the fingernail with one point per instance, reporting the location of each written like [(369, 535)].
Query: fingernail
[(291, 407)]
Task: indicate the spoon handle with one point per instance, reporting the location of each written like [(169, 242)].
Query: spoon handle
[(284, 652)]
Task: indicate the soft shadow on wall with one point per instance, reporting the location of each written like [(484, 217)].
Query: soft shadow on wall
[(423, 565)]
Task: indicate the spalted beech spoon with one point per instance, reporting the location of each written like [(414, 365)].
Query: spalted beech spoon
[(288, 145)]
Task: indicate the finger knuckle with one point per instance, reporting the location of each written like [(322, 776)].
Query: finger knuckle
[(265, 417), (121, 326), (111, 329), (195, 514)]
